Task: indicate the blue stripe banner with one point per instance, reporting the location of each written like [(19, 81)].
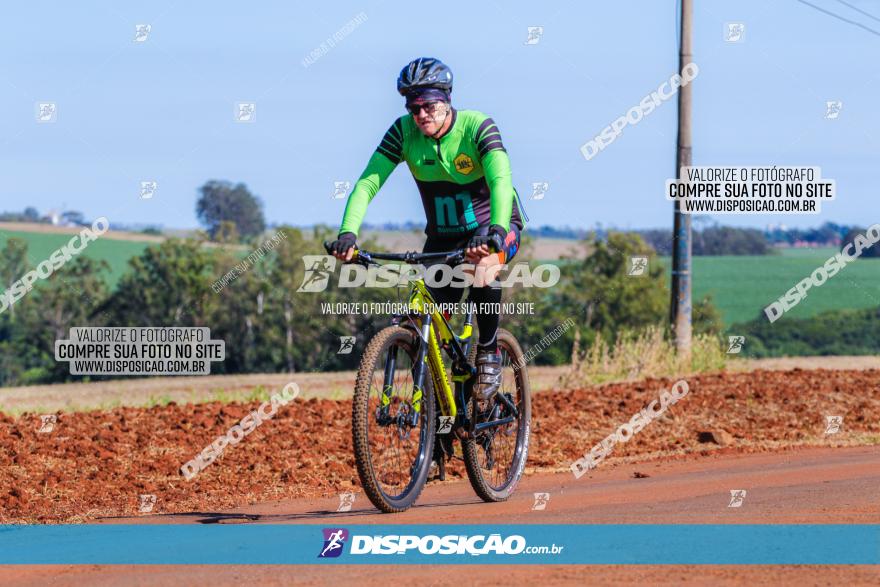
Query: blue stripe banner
[(701, 544)]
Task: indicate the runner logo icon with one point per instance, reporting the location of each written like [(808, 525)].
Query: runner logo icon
[(334, 540), (318, 271)]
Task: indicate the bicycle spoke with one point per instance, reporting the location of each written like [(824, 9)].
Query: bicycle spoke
[(498, 443), (394, 446)]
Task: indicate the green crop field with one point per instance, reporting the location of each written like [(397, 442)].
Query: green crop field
[(115, 252), (742, 287)]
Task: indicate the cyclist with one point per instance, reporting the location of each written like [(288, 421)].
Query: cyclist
[(462, 172)]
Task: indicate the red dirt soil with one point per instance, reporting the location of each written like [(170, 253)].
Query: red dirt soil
[(96, 464), (798, 486)]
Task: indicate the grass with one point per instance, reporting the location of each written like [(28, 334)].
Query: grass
[(220, 395), (259, 393), (742, 287), (637, 355), (115, 252), (338, 393), (161, 401)]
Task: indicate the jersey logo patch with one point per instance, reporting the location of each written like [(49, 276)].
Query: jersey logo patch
[(463, 164)]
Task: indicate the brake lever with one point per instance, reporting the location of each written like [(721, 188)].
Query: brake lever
[(455, 258), (362, 258)]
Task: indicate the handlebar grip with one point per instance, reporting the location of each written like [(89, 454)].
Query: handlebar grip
[(496, 243), (328, 246)]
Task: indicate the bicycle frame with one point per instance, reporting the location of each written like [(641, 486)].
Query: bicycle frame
[(434, 331), (437, 335)]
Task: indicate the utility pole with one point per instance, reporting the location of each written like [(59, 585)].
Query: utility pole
[(681, 235)]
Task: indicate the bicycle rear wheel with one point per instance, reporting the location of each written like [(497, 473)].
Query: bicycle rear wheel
[(392, 428), (496, 456)]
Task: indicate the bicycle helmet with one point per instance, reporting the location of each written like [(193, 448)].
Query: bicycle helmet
[(422, 74)]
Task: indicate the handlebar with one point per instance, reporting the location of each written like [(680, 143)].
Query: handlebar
[(454, 257)]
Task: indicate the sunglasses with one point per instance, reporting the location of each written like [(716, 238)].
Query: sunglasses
[(430, 108)]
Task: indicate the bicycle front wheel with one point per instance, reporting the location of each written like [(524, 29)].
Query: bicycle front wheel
[(495, 455), (392, 421)]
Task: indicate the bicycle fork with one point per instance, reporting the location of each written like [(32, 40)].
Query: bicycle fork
[(383, 417)]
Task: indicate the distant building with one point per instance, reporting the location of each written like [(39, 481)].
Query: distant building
[(54, 217), (66, 218)]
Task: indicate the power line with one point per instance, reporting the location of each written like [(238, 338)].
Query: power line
[(837, 16), (857, 9)]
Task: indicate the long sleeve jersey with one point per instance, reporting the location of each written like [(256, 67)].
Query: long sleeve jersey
[(463, 177)]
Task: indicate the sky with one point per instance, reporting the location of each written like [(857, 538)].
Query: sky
[(164, 109)]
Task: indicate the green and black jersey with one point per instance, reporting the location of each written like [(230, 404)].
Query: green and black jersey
[(463, 177)]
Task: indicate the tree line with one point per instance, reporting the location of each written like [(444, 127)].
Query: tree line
[(268, 326)]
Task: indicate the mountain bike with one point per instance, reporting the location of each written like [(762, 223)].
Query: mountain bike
[(408, 409)]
